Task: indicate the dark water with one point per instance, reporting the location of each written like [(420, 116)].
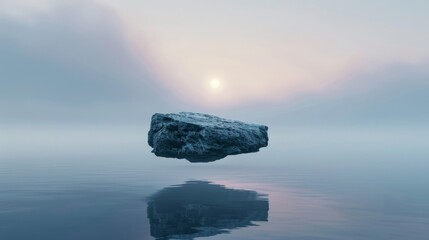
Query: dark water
[(103, 183)]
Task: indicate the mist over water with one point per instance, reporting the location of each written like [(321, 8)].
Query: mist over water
[(96, 183)]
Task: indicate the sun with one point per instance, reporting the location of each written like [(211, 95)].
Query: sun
[(215, 83)]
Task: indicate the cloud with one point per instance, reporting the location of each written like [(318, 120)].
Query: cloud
[(76, 57), (396, 94), (76, 61)]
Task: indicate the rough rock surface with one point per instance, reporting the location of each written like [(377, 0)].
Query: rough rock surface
[(203, 138)]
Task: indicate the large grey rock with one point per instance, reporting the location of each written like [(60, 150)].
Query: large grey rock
[(203, 138)]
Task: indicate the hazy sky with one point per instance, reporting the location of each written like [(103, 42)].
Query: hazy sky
[(140, 53)]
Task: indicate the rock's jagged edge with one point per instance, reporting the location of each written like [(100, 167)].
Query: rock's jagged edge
[(203, 138)]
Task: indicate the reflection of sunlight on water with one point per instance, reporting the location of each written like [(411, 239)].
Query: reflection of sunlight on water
[(292, 209)]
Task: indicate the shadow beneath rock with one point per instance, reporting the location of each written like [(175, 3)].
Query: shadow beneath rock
[(202, 209)]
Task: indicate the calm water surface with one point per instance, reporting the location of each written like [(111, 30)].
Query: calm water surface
[(103, 183)]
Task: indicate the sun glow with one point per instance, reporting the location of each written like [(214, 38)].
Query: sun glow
[(215, 83)]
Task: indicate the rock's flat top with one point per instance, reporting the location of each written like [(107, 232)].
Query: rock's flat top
[(202, 137)]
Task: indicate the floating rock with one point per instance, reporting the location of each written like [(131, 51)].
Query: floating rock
[(203, 138)]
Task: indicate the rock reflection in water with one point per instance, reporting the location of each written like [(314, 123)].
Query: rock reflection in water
[(201, 209)]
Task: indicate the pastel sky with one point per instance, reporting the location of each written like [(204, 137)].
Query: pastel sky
[(270, 50), (260, 52)]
